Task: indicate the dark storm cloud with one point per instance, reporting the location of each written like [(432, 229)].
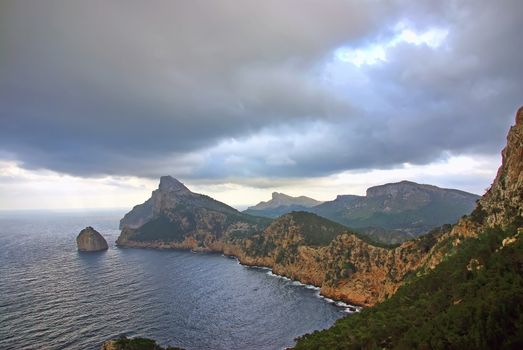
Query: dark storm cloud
[(227, 88)]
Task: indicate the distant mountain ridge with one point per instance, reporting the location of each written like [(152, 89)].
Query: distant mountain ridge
[(389, 213), (280, 204), (404, 206)]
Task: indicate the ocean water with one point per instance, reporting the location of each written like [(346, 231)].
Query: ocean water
[(54, 297)]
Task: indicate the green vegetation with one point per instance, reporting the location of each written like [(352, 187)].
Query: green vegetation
[(139, 344), (261, 245), (383, 235), (472, 300), (316, 231), (160, 229), (479, 214), (396, 219)]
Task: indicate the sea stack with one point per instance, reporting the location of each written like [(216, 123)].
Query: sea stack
[(90, 240)]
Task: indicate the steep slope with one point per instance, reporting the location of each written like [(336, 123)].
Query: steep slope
[(406, 208), (280, 204), (469, 292), (503, 202), (178, 218), (472, 300), (347, 266)]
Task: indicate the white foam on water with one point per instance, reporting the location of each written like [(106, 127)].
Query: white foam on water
[(347, 307)]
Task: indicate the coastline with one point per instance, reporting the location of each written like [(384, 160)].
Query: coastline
[(331, 298)]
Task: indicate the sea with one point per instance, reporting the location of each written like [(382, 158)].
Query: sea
[(54, 297)]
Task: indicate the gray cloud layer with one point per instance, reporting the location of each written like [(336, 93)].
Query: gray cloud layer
[(228, 88)]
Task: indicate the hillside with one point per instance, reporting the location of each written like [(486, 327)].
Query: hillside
[(281, 204), (473, 300), (347, 266), (469, 294)]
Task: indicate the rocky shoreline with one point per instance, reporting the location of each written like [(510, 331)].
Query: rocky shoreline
[(229, 252)]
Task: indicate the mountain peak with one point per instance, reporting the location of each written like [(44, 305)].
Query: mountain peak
[(170, 184), (278, 195), (282, 200), (393, 189)]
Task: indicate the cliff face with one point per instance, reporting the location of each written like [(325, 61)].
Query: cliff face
[(503, 202), (90, 240), (175, 217), (343, 264)]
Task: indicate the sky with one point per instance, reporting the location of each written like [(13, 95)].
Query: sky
[(238, 99)]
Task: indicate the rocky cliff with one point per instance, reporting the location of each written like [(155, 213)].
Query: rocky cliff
[(503, 203), (347, 266), (501, 206), (175, 217), (90, 240)]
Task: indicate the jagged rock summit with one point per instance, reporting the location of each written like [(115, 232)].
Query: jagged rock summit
[(90, 240), (170, 184), (170, 192)]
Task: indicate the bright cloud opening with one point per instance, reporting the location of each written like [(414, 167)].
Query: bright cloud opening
[(377, 52)]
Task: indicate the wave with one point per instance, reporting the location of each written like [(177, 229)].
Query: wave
[(338, 303)]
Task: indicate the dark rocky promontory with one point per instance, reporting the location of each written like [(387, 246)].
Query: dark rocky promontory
[(90, 240)]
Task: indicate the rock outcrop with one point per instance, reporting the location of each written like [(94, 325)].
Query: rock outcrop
[(501, 205), (134, 344), (503, 202), (90, 240)]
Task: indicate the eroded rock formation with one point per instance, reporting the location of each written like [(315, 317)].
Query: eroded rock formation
[(90, 240)]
